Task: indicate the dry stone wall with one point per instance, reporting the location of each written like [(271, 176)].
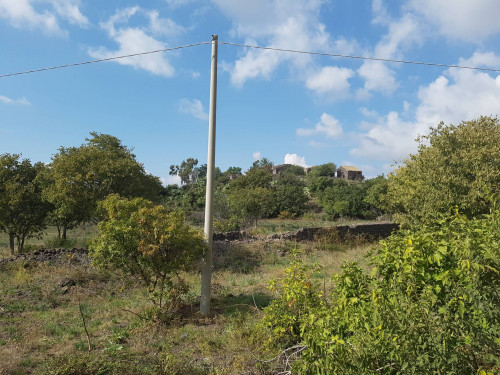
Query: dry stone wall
[(377, 230)]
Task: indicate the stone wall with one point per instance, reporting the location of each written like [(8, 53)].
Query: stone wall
[(382, 230), (65, 256)]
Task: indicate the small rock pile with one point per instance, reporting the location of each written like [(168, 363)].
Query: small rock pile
[(53, 256)]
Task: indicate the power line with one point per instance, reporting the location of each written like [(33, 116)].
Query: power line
[(101, 60), (255, 47), (360, 57)]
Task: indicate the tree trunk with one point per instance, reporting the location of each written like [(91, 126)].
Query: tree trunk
[(58, 231), (20, 241), (11, 243), (64, 233)]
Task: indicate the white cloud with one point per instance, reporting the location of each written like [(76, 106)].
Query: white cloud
[(171, 180), (402, 34), (472, 21), (23, 14), (388, 139), (378, 77), (328, 126), (257, 155), (457, 96), (163, 26), (252, 65), (138, 39), (20, 101), (331, 80), (280, 24), (70, 10), (193, 107), (295, 160), (370, 113), (178, 3), (482, 59), (463, 96)]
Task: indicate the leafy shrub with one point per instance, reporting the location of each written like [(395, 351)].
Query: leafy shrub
[(148, 242), (227, 225), (286, 215), (429, 306)]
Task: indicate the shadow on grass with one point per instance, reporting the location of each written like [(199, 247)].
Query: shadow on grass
[(231, 304)]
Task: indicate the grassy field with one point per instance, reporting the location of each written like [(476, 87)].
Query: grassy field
[(42, 331)]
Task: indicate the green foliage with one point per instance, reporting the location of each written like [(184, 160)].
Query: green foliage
[(323, 170), (187, 171), (294, 170), (346, 199), (429, 306), (298, 297), (233, 170), (80, 177), (376, 190), (290, 198), (250, 203), (59, 243), (22, 210), (255, 177), (262, 163), (456, 165), (146, 241)]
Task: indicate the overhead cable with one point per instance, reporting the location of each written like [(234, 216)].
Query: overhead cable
[(101, 60), (255, 47), (360, 57)]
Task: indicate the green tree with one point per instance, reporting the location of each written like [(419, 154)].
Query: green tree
[(323, 170), (22, 210), (254, 177), (376, 190), (456, 166), (79, 177), (321, 177), (289, 194), (146, 241), (187, 171), (262, 163), (295, 170), (352, 195), (233, 170), (251, 203)]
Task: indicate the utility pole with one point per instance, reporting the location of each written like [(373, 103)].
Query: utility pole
[(206, 270)]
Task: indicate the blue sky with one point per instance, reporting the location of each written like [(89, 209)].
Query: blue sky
[(294, 108)]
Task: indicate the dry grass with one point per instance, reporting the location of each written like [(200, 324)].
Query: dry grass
[(41, 328)]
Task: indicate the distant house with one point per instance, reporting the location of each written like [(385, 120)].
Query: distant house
[(349, 172), (233, 176)]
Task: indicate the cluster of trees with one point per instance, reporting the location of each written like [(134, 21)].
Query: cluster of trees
[(456, 166), (67, 191), (257, 194)]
